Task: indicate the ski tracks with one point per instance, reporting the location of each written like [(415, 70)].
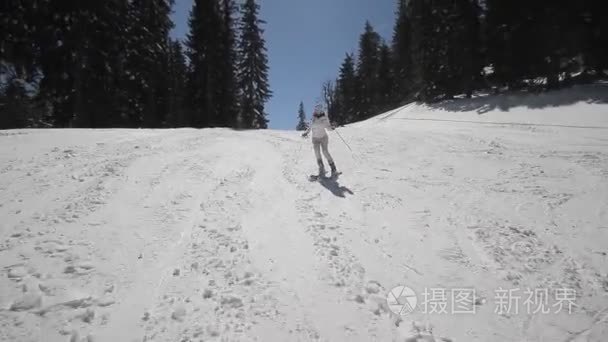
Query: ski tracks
[(191, 236), (227, 281), (49, 256), (340, 299)]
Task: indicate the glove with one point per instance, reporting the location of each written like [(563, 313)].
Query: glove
[(304, 135)]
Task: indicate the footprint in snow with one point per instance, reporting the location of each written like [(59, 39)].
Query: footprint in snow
[(424, 333), (179, 314), (17, 273), (28, 302)]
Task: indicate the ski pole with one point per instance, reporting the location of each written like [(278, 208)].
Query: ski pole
[(357, 159), (351, 150)]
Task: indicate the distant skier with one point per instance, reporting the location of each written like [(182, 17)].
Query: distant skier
[(320, 123)]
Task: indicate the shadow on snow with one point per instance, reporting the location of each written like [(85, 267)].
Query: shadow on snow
[(334, 187)]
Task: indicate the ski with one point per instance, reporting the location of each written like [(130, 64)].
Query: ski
[(314, 178)]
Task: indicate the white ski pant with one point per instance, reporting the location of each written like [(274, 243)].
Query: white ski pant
[(321, 144)]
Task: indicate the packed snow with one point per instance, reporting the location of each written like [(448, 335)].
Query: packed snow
[(215, 234)]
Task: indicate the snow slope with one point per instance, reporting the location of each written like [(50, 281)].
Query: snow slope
[(203, 235)]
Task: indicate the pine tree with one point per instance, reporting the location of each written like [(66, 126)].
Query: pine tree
[(386, 81), (253, 68), (60, 39), (347, 87), (463, 55), (595, 37), (227, 91), (401, 54), (512, 44), (302, 125), (367, 72), (18, 61), (81, 46), (574, 38), (18, 49), (328, 94), (177, 114), (444, 49), (212, 82), (421, 49), (203, 43), (555, 22), (336, 110), (16, 105), (148, 61)]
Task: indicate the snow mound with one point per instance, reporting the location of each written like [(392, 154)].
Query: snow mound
[(579, 106)]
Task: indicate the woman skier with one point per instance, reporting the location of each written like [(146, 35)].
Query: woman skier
[(320, 123)]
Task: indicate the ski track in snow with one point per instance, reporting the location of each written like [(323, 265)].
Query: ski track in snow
[(198, 235)]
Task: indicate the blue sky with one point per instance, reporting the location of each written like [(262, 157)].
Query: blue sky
[(306, 42)]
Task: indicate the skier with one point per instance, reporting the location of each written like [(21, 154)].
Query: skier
[(320, 123)]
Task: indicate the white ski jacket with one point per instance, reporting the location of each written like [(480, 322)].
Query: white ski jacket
[(319, 126)]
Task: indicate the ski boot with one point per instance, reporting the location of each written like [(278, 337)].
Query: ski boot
[(334, 171), (321, 168)]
